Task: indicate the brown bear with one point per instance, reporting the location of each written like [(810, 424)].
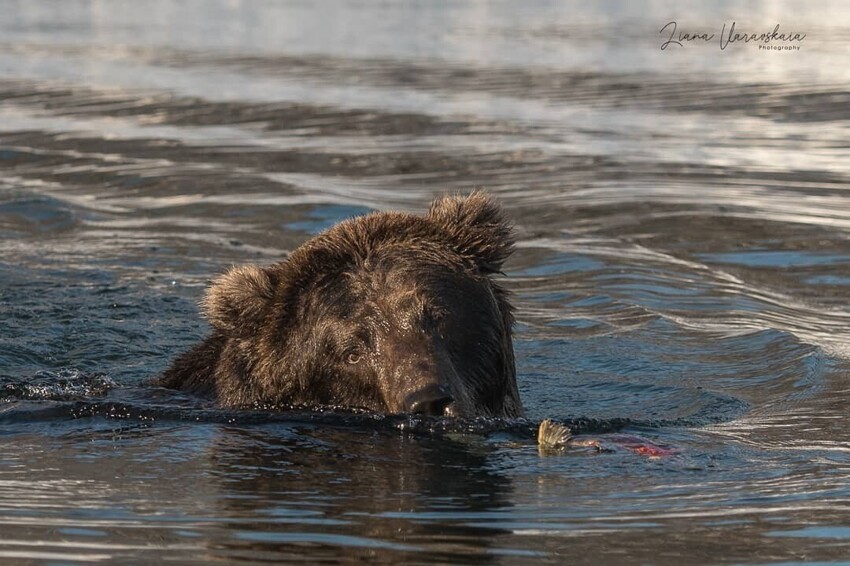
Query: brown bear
[(389, 312)]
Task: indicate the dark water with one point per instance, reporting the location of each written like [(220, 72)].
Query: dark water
[(683, 270)]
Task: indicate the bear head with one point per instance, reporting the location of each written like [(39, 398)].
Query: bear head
[(390, 312)]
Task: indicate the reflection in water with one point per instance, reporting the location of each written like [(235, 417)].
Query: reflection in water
[(682, 262), (384, 481), (277, 492)]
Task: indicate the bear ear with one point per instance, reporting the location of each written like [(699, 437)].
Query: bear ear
[(476, 227), (236, 301)]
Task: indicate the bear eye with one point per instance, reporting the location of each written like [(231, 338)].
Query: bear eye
[(353, 357)]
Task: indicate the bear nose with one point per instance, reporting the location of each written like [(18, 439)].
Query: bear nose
[(432, 400)]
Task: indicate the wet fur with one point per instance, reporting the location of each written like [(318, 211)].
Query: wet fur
[(422, 284)]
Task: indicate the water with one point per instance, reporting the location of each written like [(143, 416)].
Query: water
[(682, 276)]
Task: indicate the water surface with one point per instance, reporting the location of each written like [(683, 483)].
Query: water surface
[(682, 276)]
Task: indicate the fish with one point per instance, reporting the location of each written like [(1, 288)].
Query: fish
[(552, 437), (555, 438)]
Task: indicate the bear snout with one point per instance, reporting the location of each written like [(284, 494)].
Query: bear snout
[(422, 378), (432, 400)]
